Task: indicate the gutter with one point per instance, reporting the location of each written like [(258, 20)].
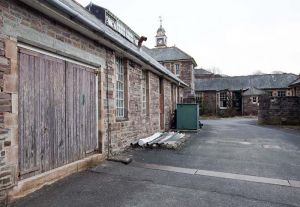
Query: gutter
[(108, 33)]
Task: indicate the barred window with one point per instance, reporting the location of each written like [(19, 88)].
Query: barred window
[(145, 93), (281, 93), (120, 88), (254, 99)]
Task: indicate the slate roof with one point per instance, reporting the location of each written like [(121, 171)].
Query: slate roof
[(266, 81), (201, 71), (100, 28), (168, 54), (296, 82), (253, 91)]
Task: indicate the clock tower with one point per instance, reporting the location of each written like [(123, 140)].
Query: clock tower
[(161, 38)]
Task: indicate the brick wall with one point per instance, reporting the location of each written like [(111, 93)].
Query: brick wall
[(279, 110), (249, 108)]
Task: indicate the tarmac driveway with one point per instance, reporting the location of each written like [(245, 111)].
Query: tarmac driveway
[(230, 162)]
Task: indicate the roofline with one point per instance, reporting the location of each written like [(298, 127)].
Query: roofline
[(251, 75), (295, 82), (112, 14), (91, 27), (242, 89), (191, 58), (188, 55)]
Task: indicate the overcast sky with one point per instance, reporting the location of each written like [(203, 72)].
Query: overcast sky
[(237, 36)]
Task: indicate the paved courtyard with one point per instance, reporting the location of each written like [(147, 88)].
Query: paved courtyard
[(230, 162)]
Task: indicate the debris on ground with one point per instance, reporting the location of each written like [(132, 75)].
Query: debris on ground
[(170, 140)]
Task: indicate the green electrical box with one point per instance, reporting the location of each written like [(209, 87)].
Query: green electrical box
[(187, 117)]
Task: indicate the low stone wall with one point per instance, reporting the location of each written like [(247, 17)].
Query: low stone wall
[(279, 110)]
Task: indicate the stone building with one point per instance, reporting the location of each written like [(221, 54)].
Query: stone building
[(250, 101), (200, 73), (239, 95), (295, 86), (177, 61), (73, 85)]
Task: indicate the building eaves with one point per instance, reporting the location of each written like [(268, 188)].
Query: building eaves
[(296, 82), (253, 92), (80, 15), (267, 81), (173, 53)]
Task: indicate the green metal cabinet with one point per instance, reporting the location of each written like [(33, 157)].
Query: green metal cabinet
[(187, 117)]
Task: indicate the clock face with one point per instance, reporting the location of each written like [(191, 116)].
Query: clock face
[(159, 41)]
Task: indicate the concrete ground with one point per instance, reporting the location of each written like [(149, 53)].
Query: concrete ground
[(203, 172)]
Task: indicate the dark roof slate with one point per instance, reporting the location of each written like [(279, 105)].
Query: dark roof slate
[(266, 81), (296, 82), (253, 91), (201, 71), (168, 54)]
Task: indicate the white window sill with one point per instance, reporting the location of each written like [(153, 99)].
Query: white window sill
[(223, 107)]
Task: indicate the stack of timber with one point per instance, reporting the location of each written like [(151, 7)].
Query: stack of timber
[(170, 140)]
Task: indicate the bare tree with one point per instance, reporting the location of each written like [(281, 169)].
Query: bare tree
[(258, 72), (277, 72), (214, 70)]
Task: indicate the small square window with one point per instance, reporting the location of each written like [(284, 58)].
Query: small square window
[(254, 99)]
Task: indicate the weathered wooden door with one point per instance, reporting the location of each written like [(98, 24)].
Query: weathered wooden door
[(161, 104), (57, 112)]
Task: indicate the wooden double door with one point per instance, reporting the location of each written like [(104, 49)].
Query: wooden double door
[(57, 112)]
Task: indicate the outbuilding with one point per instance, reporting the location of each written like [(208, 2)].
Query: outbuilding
[(72, 87)]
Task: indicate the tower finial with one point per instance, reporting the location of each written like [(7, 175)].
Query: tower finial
[(160, 20)]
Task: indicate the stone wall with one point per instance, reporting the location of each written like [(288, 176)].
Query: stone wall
[(249, 108), (296, 90), (21, 24), (279, 110), (208, 103), (8, 115), (168, 104), (136, 124), (186, 74)]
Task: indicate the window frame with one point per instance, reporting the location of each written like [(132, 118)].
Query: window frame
[(120, 88), (145, 93), (256, 99), (177, 72), (281, 93), (225, 96)]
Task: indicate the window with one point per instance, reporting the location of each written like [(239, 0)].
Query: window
[(177, 69), (120, 88), (270, 93), (254, 99), (145, 93), (223, 99), (281, 93)]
